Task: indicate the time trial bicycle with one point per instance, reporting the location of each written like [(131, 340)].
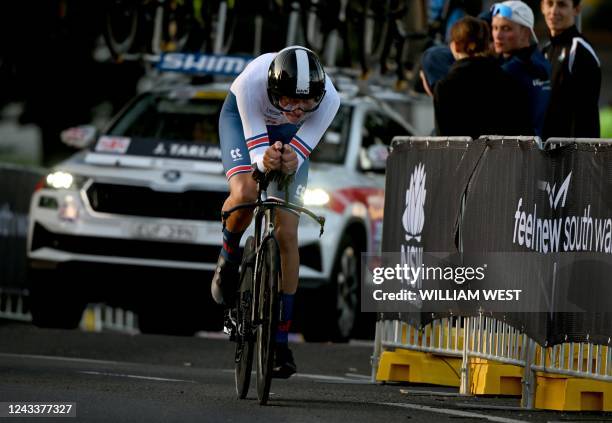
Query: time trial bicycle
[(258, 307)]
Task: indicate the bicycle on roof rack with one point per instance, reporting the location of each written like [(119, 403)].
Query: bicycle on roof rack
[(155, 26), (258, 303)]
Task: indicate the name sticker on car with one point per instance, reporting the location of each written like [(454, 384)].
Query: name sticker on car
[(109, 144)]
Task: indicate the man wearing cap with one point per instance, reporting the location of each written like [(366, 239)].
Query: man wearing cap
[(515, 41), (435, 64), (576, 74)]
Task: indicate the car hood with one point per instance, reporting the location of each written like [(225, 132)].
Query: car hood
[(183, 174), (333, 177), (162, 174)]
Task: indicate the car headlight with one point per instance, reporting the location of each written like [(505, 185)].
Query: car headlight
[(62, 180), (315, 197)]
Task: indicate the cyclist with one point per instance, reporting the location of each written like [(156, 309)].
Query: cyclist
[(277, 110)]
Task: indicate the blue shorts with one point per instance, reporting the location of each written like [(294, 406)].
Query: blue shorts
[(235, 153)]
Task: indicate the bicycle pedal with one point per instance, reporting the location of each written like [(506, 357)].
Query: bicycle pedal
[(230, 324)]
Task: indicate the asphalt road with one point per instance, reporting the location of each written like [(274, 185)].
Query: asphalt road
[(113, 377)]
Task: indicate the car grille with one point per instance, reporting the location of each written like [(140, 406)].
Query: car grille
[(310, 255), (118, 247), (144, 201)]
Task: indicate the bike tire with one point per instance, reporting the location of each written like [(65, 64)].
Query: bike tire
[(313, 30), (178, 26), (120, 27), (228, 13), (245, 339), (375, 29), (269, 305)]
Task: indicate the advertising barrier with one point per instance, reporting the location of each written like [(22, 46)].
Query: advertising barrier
[(517, 219), (498, 226)]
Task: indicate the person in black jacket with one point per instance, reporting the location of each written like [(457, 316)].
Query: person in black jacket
[(576, 74), (477, 97)]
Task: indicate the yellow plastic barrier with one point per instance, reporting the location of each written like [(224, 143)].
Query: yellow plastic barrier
[(418, 367), (564, 393)]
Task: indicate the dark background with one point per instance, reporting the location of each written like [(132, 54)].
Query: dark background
[(56, 72)]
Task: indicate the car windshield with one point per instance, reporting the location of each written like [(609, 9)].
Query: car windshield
[(174, 119), (188, 119), (333, 145)]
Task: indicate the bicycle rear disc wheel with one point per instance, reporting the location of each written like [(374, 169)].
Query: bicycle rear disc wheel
[(245, 339), (269, 314)]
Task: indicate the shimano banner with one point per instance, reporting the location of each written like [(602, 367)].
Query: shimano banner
[(16, 187), (198, 63)]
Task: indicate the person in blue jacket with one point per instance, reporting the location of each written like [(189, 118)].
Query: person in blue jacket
[(515, 41)]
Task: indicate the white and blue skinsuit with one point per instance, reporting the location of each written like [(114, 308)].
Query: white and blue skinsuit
[(250, 123)]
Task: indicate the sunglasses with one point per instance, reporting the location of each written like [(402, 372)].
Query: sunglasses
[(286, 104), (502, 10)]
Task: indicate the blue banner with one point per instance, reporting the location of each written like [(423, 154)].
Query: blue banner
[(203, 64)]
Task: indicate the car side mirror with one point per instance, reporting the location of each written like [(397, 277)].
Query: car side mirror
[(374, 158), (332, 137), (79, 136)]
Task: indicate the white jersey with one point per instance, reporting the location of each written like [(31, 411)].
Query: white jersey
[(256, 111)]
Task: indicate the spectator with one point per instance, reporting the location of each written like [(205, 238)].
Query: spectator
[(477, 97), (443, 14), (576, 74), (435, 64), (516, 43)]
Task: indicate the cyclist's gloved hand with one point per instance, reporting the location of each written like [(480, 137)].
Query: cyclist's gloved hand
[(272, 157), (289, 160)]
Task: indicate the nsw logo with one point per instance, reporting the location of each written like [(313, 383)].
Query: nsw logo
[(414, 215), (554, 196)]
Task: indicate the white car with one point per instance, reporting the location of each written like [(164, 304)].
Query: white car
[(133, 219)]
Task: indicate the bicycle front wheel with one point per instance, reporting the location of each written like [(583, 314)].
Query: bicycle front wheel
[(245, 338), (269, 305)]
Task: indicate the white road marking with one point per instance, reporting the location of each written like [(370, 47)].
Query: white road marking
[(360, 342), (332, 379), (431, 393), (356, 379), (59, 358), (357, 376), (159, 379), (452, 412)]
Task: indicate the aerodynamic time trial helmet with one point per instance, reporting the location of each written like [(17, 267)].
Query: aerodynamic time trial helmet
[(296, 74)]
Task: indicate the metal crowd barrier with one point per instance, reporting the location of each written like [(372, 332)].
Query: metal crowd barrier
[(401, 140), (554, 142), (13, 306), (492, 339), (98, 317), (576, 359)]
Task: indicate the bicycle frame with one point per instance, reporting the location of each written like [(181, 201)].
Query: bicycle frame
[(259, 302), (264, 220)]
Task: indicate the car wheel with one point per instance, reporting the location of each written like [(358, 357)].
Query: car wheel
[(338, 302), (54, 304), (345, 277)]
